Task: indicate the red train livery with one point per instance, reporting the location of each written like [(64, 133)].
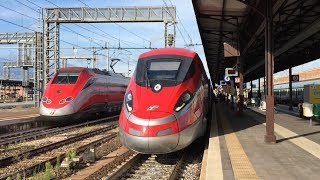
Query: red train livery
[(76, 91), (165, 103)]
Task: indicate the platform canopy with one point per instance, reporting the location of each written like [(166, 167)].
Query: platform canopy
[(239, 25)]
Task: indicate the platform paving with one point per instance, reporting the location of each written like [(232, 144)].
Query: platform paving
[(289, 158), (296, 124), (17, 115)]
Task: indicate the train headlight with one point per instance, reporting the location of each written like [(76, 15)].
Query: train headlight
[(44, 99), (183, 101), (128, 101), (69, 99), (62, 101)]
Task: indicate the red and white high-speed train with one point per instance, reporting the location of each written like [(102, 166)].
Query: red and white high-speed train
[(75, 91), (165, 103)]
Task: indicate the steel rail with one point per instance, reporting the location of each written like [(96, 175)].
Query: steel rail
[(38, 133), (29, 171), (28, 154)]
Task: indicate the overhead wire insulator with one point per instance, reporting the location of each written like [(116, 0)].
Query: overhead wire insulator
[(170, 39)]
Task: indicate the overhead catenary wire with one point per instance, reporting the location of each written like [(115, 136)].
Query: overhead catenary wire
[(182, 25), (165, 3), (26, 6), (68, 29), (18, 12), (86, 37), (121, 26), (98, 29), (16, 24), (125, 42), (88, 50), (23, 14), (65, 28), (34, 3)]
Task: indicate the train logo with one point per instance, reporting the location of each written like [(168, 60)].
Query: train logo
[(166, 102), (157, 87), (153, 107)]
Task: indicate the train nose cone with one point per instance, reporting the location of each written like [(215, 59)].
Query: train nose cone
[(162, 140), (156, 138)]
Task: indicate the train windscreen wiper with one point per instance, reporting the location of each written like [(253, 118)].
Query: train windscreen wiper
[(147, 78)]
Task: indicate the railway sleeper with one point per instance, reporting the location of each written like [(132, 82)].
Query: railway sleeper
[(151, 177)]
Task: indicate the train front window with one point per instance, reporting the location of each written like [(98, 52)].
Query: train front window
[(163, 70), (66, 78)]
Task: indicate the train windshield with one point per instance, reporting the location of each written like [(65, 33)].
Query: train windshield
[(167, 70), (66, 78), (163, 70)]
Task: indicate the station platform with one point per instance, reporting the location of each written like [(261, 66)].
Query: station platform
[(237, 149), (15, 115), (17, 104)]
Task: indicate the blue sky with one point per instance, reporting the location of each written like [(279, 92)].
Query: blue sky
[(137, 34), (25, 13)]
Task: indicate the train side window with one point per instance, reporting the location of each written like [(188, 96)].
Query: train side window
[(190, 72), (89, 83)]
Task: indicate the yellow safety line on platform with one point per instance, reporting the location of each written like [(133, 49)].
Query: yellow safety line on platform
[(304, 143), (241, 165), (214, 163)]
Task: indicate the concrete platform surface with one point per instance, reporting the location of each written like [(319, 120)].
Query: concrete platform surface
[(17, 104), (245, 155), (9, 116)]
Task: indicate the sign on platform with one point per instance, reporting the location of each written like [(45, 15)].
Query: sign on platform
[(237, 80), (295, 78), (231, 72), (226, 78)]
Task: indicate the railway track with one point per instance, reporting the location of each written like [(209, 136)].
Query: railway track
[(122, 163), (184, 164), (151, 167), (26, 162), (41, 132)]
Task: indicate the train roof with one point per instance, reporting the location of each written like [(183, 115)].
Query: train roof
[(169, 51), (72, 69), (93, 70), (107, 73)]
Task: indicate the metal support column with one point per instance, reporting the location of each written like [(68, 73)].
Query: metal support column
[(39, 75), (94, 58), (56, 47), (290, 89), (259, 88), (165, 34), (250, 94), (51, 47), (269, 61), (264, 84), (46, 45), (232, 92), (241, 97)]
